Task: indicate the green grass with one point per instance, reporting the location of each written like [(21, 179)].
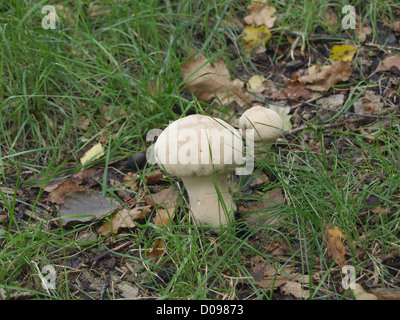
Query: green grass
[(120, 70)]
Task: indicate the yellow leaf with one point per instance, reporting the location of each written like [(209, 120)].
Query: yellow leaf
[(254, 39), (343, 53), (93, 153), (255, 84)]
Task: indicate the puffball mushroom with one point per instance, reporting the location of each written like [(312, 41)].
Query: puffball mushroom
[(266, 123), (202, 150)]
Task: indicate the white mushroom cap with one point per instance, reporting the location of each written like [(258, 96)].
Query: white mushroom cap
[(267, 124), (199, 145), (202, 150)]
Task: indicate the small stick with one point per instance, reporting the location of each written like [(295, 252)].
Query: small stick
[(350, 113), (323, 126), (102, 255)]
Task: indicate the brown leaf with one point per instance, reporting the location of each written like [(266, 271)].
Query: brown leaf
[(132, 184), (167, 198), (260, 14), (295, 289), (209, 82), (362, 32), (164, 216), (395, 26), (386, 293), (83, 175), (330, 16), (60, 189), (297, 93), (328, 75), (368, 103), (336, 248), (270, 283), (157, 249), (257, 214), (267, 276), (3, 217), (154, 177), (123, 219), (389, 62), (83, 123)]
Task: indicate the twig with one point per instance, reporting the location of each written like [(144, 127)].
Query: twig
[(103, 289), (316, 36), (102, 255), (323, 126), (301, 103), (349, 113), (81, 291)]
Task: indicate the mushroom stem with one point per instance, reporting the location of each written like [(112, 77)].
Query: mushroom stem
[(204, 193)]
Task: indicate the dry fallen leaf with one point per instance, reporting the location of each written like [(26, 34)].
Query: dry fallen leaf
[(255, 84), (164, 216), (254, 39), (3, 217), (389, 62), (123, 219), (362, 32), (289, 281), (260, 14), (167, 198), (386, 293), (213, 82), (342, 52), (330, 17), (336, 248), (130, 180), (257, 214), (295, 289), (85, 206), (58, 190), (360, 294), (368, 103), (83, 175), (297, 93), (395, 26), (157, 249), (94, 153), (327, 75), (83, 123), (154, 177)]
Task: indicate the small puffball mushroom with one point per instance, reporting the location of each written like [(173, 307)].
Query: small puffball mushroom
[(266, 123), (202, 150)]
